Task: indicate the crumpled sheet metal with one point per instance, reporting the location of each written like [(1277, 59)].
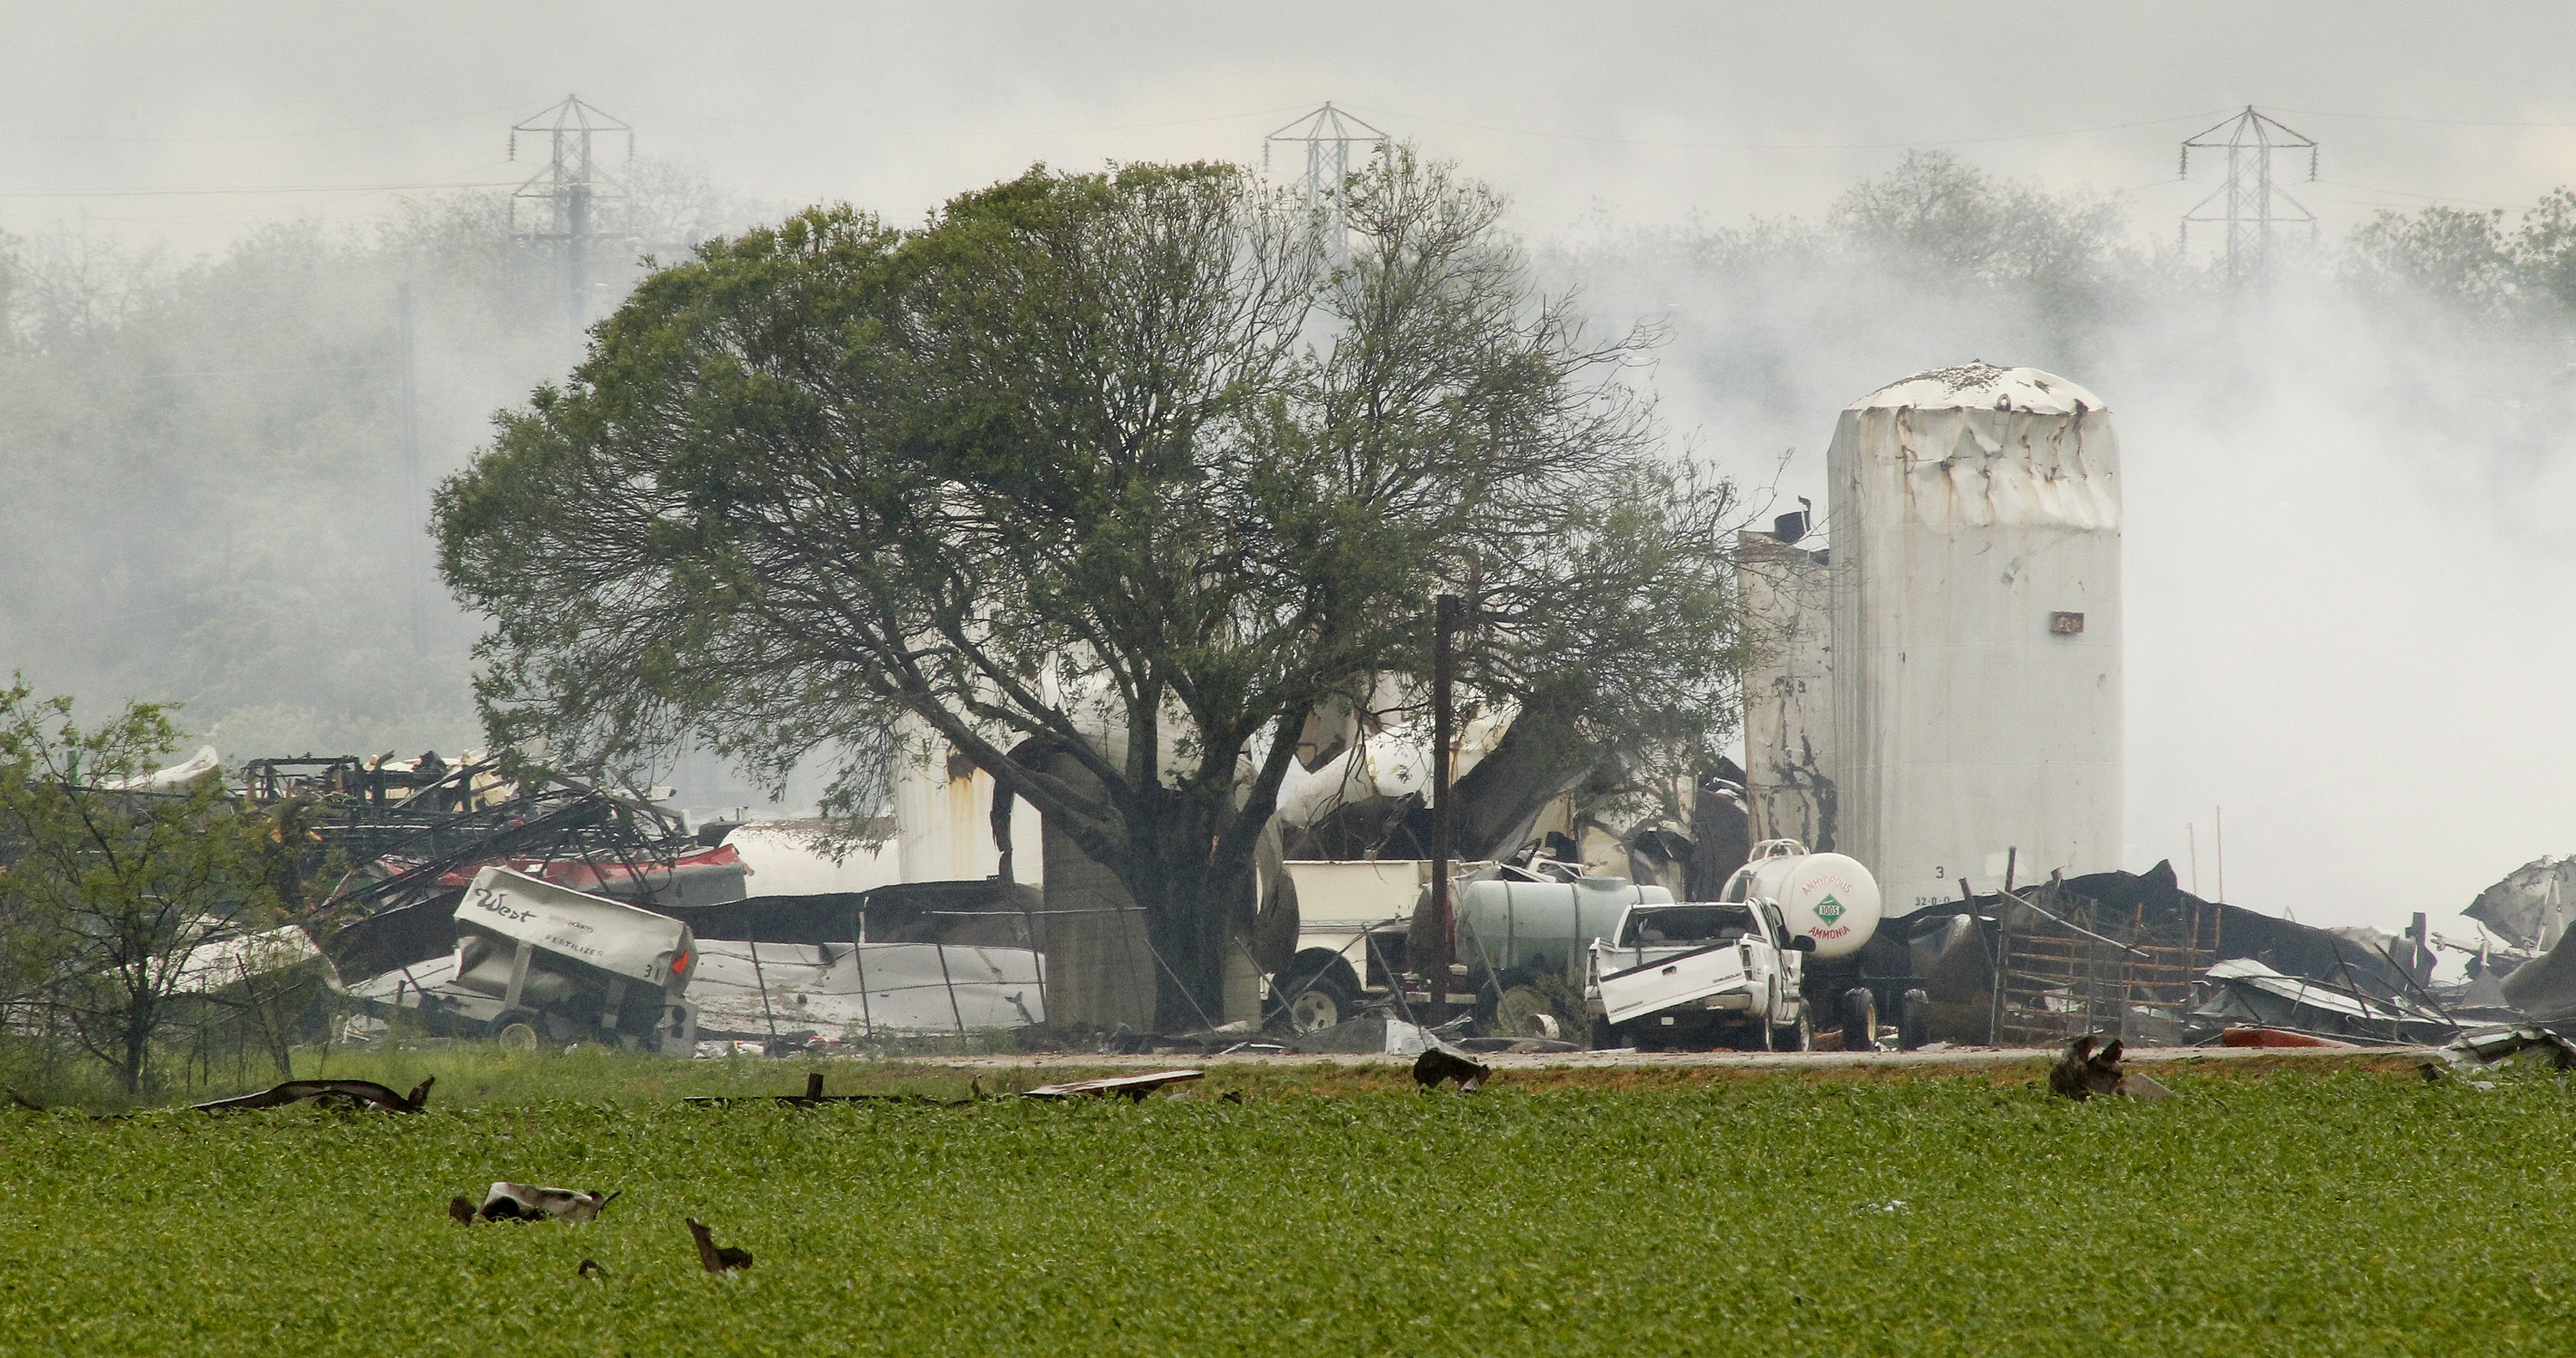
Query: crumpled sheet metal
[(2248, 992), (507, 1201), (1125, 1086), (2502, 1044)]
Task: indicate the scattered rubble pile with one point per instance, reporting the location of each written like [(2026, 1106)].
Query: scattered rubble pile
[(2133, 956), (457, 870), (2084, 1072), (421, 926)]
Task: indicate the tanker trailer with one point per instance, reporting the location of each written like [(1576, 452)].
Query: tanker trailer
[(1833, 900), (1526, 944)]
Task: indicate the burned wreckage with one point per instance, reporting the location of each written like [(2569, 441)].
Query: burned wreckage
[(565, 913), (1915, 720)]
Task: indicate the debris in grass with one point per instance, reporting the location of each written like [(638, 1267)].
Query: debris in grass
[(460, 1211), (341, 1093), (2084, 1072), (530, 1202), (2504, 1044), (1127, 1086), (1444, 1062), (590, 1269), (717, 1258), (814, 1097)]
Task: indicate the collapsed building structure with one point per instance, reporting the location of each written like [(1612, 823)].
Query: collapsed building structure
[(2135, 956), (894, 957)]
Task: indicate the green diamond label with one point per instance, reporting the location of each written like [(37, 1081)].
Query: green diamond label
[(1829, 909)]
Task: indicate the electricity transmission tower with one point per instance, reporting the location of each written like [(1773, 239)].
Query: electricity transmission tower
[(1328, 135), (2249, 203), (569, 188)]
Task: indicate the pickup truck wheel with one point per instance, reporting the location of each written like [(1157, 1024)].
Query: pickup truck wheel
[(1791, 1037), (1315, 1003)]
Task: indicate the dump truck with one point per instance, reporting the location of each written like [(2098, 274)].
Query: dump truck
[(536, 961)]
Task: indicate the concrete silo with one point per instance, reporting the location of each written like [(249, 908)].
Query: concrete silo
[(1974, 577)]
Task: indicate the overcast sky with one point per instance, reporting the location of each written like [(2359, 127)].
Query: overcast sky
[(1653, 110), (2262, 673)]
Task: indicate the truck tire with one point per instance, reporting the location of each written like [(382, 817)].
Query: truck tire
[(1313, 1003), (1860, 1020), (1911, 1030), (1791, 1037), (524, 1020)]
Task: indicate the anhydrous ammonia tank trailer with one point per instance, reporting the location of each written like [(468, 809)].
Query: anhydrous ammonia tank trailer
[(1828, 897), (1975, 584)]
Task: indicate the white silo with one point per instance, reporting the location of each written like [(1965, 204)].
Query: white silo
[(1975, 585)]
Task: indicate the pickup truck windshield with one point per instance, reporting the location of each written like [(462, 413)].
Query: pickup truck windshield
[(1686, 924)]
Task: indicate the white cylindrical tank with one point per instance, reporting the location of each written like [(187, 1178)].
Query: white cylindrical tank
[(1829, 897), (1975, 585), (1504, 925)]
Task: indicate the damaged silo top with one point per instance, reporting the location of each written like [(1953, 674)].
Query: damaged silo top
[(1980, 445), (1984, 386)]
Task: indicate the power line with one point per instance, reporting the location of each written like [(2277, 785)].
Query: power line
[(2409, 193), (254, 136), (261, 188), (898, 132), (2395, 118), (1794, 146)]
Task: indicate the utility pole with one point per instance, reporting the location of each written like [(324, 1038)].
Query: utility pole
[(1328, 134), (2218, 817), (415, 521), (1445, 610), (569, 188), (2248, 202)]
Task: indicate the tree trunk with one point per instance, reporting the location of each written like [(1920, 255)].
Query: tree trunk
[(1187, 925)]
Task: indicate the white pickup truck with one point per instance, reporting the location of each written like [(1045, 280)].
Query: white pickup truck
[(1701, 974)]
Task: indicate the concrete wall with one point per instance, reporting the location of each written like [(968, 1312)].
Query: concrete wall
[(1788, 693), (1968, 507), (1100, 968)]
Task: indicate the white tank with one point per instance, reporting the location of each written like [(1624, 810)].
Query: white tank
[(1826, 896), (1505, 925), (1975, 579)]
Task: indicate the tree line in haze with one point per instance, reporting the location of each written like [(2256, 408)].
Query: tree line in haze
[(202, 495), (202, 488)]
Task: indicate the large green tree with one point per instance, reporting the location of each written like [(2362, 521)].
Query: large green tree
[(1105, 482)]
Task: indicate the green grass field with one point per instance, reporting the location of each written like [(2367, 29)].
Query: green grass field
[(2333, 1213)]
